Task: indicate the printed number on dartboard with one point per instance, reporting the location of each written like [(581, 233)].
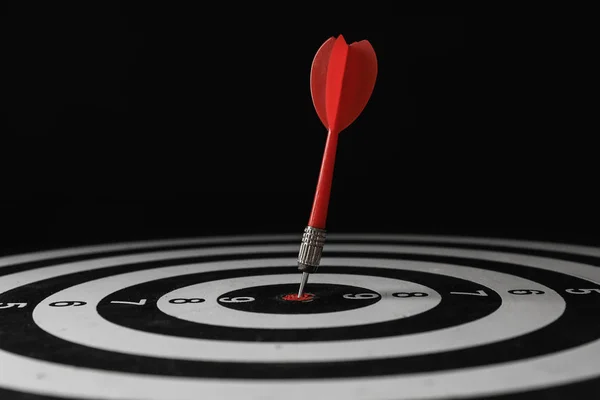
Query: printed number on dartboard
[(194, 300), (239, 299), (410, 294), (583, 291), (67, 304), (12, 305), (360, 296), (525, 292)]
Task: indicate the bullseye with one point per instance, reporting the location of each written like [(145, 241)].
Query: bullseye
[(294, 297)]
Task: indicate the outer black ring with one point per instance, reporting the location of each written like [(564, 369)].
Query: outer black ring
[(149, 318)]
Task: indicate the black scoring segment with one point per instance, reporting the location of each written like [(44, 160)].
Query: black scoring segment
[(283, 298)]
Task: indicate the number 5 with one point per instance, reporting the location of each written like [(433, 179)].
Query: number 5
[(9, 305), (582, 291)]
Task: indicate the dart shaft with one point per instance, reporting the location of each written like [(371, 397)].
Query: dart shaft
[(318, 215), (311, 249)]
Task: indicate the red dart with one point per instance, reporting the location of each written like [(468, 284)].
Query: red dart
[(342, 79)]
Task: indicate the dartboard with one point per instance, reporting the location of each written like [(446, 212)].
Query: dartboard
[(385, 317)]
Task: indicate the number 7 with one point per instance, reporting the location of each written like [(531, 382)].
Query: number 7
[(139, 303), (478, 293)]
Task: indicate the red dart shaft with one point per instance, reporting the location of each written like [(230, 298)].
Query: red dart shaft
[(318, 216)]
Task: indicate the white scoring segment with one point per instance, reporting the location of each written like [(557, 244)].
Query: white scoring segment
[(517, 316), (211, 312), (44, 377)]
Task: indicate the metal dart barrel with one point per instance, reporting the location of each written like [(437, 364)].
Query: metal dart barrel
[(309, 256), (311, 249)]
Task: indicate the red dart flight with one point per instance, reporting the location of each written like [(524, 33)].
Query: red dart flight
[(341, 82)]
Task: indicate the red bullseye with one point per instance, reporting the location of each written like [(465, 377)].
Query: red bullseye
[(294, 297)]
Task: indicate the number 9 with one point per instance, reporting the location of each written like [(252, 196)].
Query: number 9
[(241, 299), (360, 296)]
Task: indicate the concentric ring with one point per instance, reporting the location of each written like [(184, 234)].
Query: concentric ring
[(110, 337), (563, 363), (442, 316), (382, 310)]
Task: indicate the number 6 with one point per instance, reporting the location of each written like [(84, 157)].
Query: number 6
[(241, 299)]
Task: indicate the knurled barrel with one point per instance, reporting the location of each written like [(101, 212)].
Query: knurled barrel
[(311, 249)]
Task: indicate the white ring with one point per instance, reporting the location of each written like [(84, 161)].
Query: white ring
[(211, 312), (22, 373)]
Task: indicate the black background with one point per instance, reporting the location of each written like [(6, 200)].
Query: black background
[(138, 121)]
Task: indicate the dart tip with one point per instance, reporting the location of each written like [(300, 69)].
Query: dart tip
[(303, 281)]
